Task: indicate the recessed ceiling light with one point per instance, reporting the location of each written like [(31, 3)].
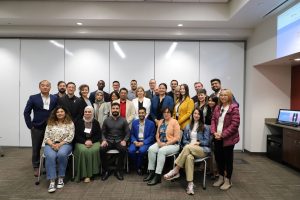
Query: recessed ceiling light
[(179, 25), (79, 23), (297, 59)]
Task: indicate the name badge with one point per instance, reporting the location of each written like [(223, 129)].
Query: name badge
[(87, 130), (46, 106)]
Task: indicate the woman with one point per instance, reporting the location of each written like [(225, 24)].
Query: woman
[(141, 101), (159, 103), (184, 107), (112, 97), (176, 93), (201, 103), (58, 137), (87, 146), (211, 105), (196, 141), (101, 108), (83, 101), (225, 129), (167, 138)]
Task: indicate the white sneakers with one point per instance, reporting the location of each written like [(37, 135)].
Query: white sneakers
[(60, 184), (190, 188), (51, 187), (226, 185), (223, 182), (219, 182)]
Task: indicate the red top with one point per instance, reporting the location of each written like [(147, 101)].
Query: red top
[(123, 109)]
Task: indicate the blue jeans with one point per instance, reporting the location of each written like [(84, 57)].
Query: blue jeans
[(61, 156)]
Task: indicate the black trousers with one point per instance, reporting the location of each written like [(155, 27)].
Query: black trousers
[(37, 137), (120, 157), (224, 158)]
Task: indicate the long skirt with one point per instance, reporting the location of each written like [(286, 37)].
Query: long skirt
[(87, 160)]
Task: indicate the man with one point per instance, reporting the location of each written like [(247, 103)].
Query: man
[(115, 135), (142, 136), (217, 88), (132, 92), (116, 86), (173, 84), (61, 87), (151, 92), (41, 104), (69, 100), (198, 86), (127, 109), (100, 85)]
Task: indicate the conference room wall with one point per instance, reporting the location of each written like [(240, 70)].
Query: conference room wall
[(40, 60), (9, 87), (87, 61)]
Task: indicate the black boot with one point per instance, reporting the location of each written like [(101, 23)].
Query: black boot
[(150, 176), (155, 180)]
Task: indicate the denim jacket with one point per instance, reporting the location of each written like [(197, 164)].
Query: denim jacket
[(203, 137)]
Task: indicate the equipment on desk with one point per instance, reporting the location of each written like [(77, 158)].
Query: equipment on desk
[(288, 117)]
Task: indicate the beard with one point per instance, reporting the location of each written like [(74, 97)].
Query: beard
[(141, 117), (62, 90), (216, 89), (115, 114)]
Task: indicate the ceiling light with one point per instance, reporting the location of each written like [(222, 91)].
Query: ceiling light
[(171, 49), (119, 50), (180, 25), (79, 23), (297, 59)]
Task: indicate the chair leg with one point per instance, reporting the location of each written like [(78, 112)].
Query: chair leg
[(73, 168), (40, 168), (204, 175)]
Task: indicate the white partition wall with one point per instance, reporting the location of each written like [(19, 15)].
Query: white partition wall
[(224, 60), (131, 60), (177, 60), (87, 61), (40, 59), (9, 87)]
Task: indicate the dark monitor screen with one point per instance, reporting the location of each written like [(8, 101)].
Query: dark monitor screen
[(289, 117)]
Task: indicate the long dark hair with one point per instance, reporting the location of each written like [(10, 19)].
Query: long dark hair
[(53, 118), (187, 92), (201, 121)]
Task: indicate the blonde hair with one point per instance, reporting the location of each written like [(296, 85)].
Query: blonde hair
[(140, 88), (228, 92)]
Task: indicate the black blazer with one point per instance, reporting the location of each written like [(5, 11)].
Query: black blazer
[(40, 115), (81, 137), (69, 104), (80, 106)]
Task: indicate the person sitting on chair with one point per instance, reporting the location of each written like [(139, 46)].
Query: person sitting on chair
[(167, 138), (58, 137), (142, 137), (196, 140), (87, 146), (115, 134)]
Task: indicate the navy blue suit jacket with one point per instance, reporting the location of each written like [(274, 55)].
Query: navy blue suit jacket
[(149, 132), (40, 115), (168, 102)]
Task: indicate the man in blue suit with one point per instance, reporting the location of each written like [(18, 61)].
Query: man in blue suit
[(142, 136), (41, 104)]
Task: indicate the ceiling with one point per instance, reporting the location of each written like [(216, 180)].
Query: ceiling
[(135, 19)]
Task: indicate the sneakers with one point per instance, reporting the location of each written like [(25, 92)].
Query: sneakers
[(219, 182), (190, 188), (87, 180), (60, 183), (226, 185), (51, 187), (171, 175)]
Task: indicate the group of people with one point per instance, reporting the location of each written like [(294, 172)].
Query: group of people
[(153, 123)]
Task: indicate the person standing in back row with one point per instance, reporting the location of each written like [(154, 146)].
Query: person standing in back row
[(100, 85)]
